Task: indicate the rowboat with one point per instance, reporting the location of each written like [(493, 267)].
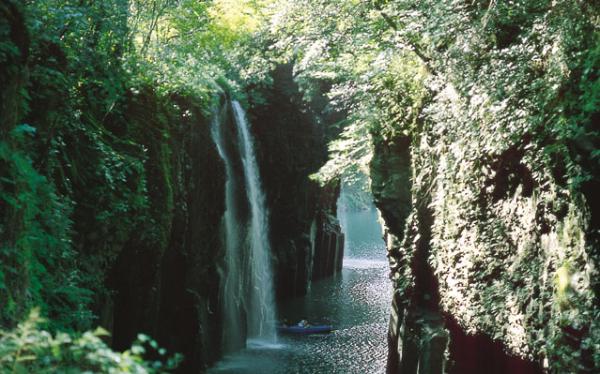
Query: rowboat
[(316, 329)]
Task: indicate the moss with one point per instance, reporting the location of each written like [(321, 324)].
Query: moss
[(167, 172), (512, 242)]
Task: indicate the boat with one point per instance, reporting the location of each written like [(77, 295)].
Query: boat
[(295, 329)]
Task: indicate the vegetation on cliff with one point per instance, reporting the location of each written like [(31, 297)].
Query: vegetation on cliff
[(110, 185), (103, 109), (476, 120), (496, 105)]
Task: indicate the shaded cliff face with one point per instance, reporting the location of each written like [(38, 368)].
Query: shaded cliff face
[(108, 212), (292, 145), (491, 223), (166, 284), (112, 199), (422, 335), (15, 52)]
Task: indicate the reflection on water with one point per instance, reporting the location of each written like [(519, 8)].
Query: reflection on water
[(363, 233), (356, 302)]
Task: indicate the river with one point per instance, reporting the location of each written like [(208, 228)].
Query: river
[(355, 301)]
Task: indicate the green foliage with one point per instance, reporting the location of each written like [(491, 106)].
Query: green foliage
[(499, 101), (35, 233), (88, 166), (27, 349), (506, 215), (187, 46), (349, 44), (73, 185), (74, 188)]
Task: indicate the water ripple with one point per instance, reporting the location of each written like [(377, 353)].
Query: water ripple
[(356, 302)]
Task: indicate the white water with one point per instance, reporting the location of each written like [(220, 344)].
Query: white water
[(247, 287), (232, 287), (261, 303)]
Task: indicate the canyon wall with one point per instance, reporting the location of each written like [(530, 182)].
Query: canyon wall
[(487, 194), (112, 197), (292, 144), (109, 217)]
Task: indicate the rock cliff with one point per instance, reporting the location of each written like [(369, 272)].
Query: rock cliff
[(292, 144), (112, 200), (492, 226), (108, 212)]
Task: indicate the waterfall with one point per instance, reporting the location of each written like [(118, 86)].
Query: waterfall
[(247, 287), (311, 257), (232, 287), (261, 308)]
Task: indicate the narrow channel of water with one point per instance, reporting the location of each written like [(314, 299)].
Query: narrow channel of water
[(356, 302)]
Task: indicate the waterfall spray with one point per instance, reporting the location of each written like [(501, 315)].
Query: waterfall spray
[(261, 311), (232, 287), (247, 287)]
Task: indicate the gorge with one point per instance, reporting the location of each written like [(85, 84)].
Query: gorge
[(177, 177)]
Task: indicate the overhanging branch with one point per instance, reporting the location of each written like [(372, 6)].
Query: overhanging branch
[(426, 60)]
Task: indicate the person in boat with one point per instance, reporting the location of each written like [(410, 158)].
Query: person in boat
[(303, 323)]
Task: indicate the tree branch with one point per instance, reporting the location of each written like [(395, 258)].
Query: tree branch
[(426, 60)]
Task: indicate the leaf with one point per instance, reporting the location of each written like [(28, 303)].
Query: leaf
[(24, 129), (100, 331)]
